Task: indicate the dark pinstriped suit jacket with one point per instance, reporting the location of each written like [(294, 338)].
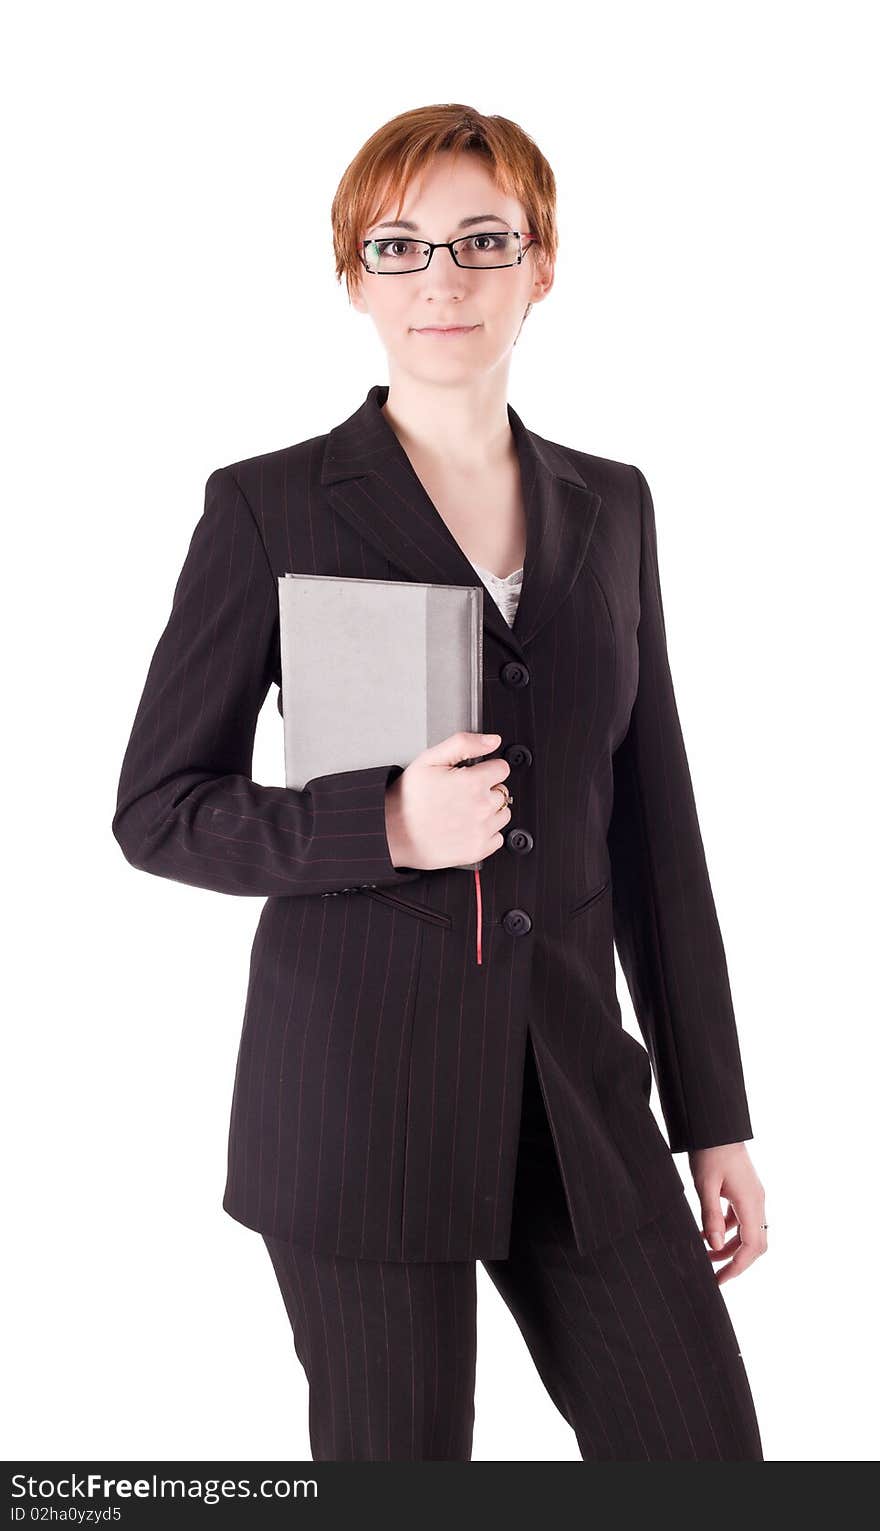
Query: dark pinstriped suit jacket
[(378, 1087)]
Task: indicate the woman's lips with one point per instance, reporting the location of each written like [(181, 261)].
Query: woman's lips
[(460, 329)]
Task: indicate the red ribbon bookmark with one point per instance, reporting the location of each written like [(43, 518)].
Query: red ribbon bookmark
[(479, 917)]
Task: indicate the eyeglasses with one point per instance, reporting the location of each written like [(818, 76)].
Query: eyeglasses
[(481, 252)]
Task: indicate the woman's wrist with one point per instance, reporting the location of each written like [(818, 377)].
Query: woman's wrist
[(398, 847)]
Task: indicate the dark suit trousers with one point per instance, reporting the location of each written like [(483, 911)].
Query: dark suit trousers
[(633, 1342)]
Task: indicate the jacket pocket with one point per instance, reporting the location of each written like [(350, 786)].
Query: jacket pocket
[(409, 906), (588, 899)]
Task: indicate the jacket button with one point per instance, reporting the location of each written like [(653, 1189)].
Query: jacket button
[(513, 673), (516, 922), (518, 754), (519, 840)]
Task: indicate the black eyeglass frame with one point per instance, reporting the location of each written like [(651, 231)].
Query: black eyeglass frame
[(450, 246)]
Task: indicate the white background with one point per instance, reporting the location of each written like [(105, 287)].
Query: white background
[(172, 306)]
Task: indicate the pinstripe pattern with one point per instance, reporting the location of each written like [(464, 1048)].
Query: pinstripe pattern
[(633, 1342), (378, 1085)]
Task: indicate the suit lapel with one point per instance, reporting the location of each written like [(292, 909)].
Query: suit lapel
[(370, 481)]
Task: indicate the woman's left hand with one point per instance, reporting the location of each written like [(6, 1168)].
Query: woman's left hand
[(729, 1172)]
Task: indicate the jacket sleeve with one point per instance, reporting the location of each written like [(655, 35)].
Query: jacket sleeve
[(665, 923), (187, 807)]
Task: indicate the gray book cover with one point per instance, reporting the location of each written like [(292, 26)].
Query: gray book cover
[(373, 671)]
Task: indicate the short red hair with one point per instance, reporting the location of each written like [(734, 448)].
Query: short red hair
[(401, 149)]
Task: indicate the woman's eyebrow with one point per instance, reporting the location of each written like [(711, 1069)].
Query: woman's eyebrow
[(403, 223)]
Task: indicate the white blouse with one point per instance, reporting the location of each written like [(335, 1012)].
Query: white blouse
[(505, 592)]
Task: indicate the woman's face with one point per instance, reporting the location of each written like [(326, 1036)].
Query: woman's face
[(493, 301)]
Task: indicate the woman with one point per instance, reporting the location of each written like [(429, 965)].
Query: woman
[(432, 1067)]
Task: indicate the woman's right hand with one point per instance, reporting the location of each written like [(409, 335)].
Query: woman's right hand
[(438, 814)]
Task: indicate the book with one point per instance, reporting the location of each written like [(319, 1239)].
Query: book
[(373, 671)]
